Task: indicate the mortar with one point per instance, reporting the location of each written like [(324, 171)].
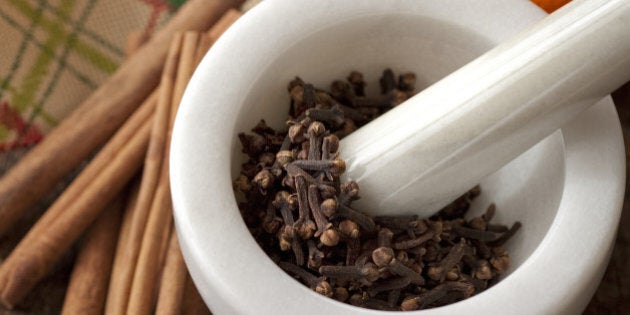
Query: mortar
[(567, 190)]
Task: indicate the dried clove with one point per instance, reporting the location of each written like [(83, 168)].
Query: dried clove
[(301, 213), (387, 81), (334, 167), (313, 202), (384, 257), (358, 84), (437, 294), (315, 256), (318, 284), (330, 237), (414, 242), (314, 133), (363, 220), (365, 274)]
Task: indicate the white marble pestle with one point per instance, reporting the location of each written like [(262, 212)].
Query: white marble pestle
[(424, 153)]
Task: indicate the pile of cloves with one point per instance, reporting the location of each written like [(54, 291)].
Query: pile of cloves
[(300, 213)]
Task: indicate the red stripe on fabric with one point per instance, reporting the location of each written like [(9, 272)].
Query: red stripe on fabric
[(27, 134), (158, 7)]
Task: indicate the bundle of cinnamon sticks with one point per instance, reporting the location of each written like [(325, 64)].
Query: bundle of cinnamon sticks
[(119, 206)]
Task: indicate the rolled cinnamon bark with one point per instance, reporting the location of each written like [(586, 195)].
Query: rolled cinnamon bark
[(90, 275), (141, 298), (125, 263), (96, 119), (80, 204), (173, 283)]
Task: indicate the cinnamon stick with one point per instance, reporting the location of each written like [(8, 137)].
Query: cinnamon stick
[(173, 280), (223, 24), (185, 69), (125, 225), (193, 304), (125, 263), (79, 205), (121, 255), (141, 299), (90, 276), (148, 266), (96, 119), (135, 40), (211, 36)]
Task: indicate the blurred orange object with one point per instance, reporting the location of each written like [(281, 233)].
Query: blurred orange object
[(550, 5)]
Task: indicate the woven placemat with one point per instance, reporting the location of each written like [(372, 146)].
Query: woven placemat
[(54, 54)]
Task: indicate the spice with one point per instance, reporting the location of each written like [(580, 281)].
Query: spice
[(98, 117), (294, 203), (141, 252)]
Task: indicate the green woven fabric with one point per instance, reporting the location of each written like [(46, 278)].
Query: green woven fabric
[(54, 53)]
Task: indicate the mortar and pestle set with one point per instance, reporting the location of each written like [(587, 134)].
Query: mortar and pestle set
[(529, 120)]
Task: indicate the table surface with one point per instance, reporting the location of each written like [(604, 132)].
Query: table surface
[(613, 293)]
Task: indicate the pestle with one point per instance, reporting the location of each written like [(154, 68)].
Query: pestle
[(429, 150)]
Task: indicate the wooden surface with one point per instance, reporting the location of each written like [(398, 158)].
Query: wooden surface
[(48, 295), (612, 296)]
